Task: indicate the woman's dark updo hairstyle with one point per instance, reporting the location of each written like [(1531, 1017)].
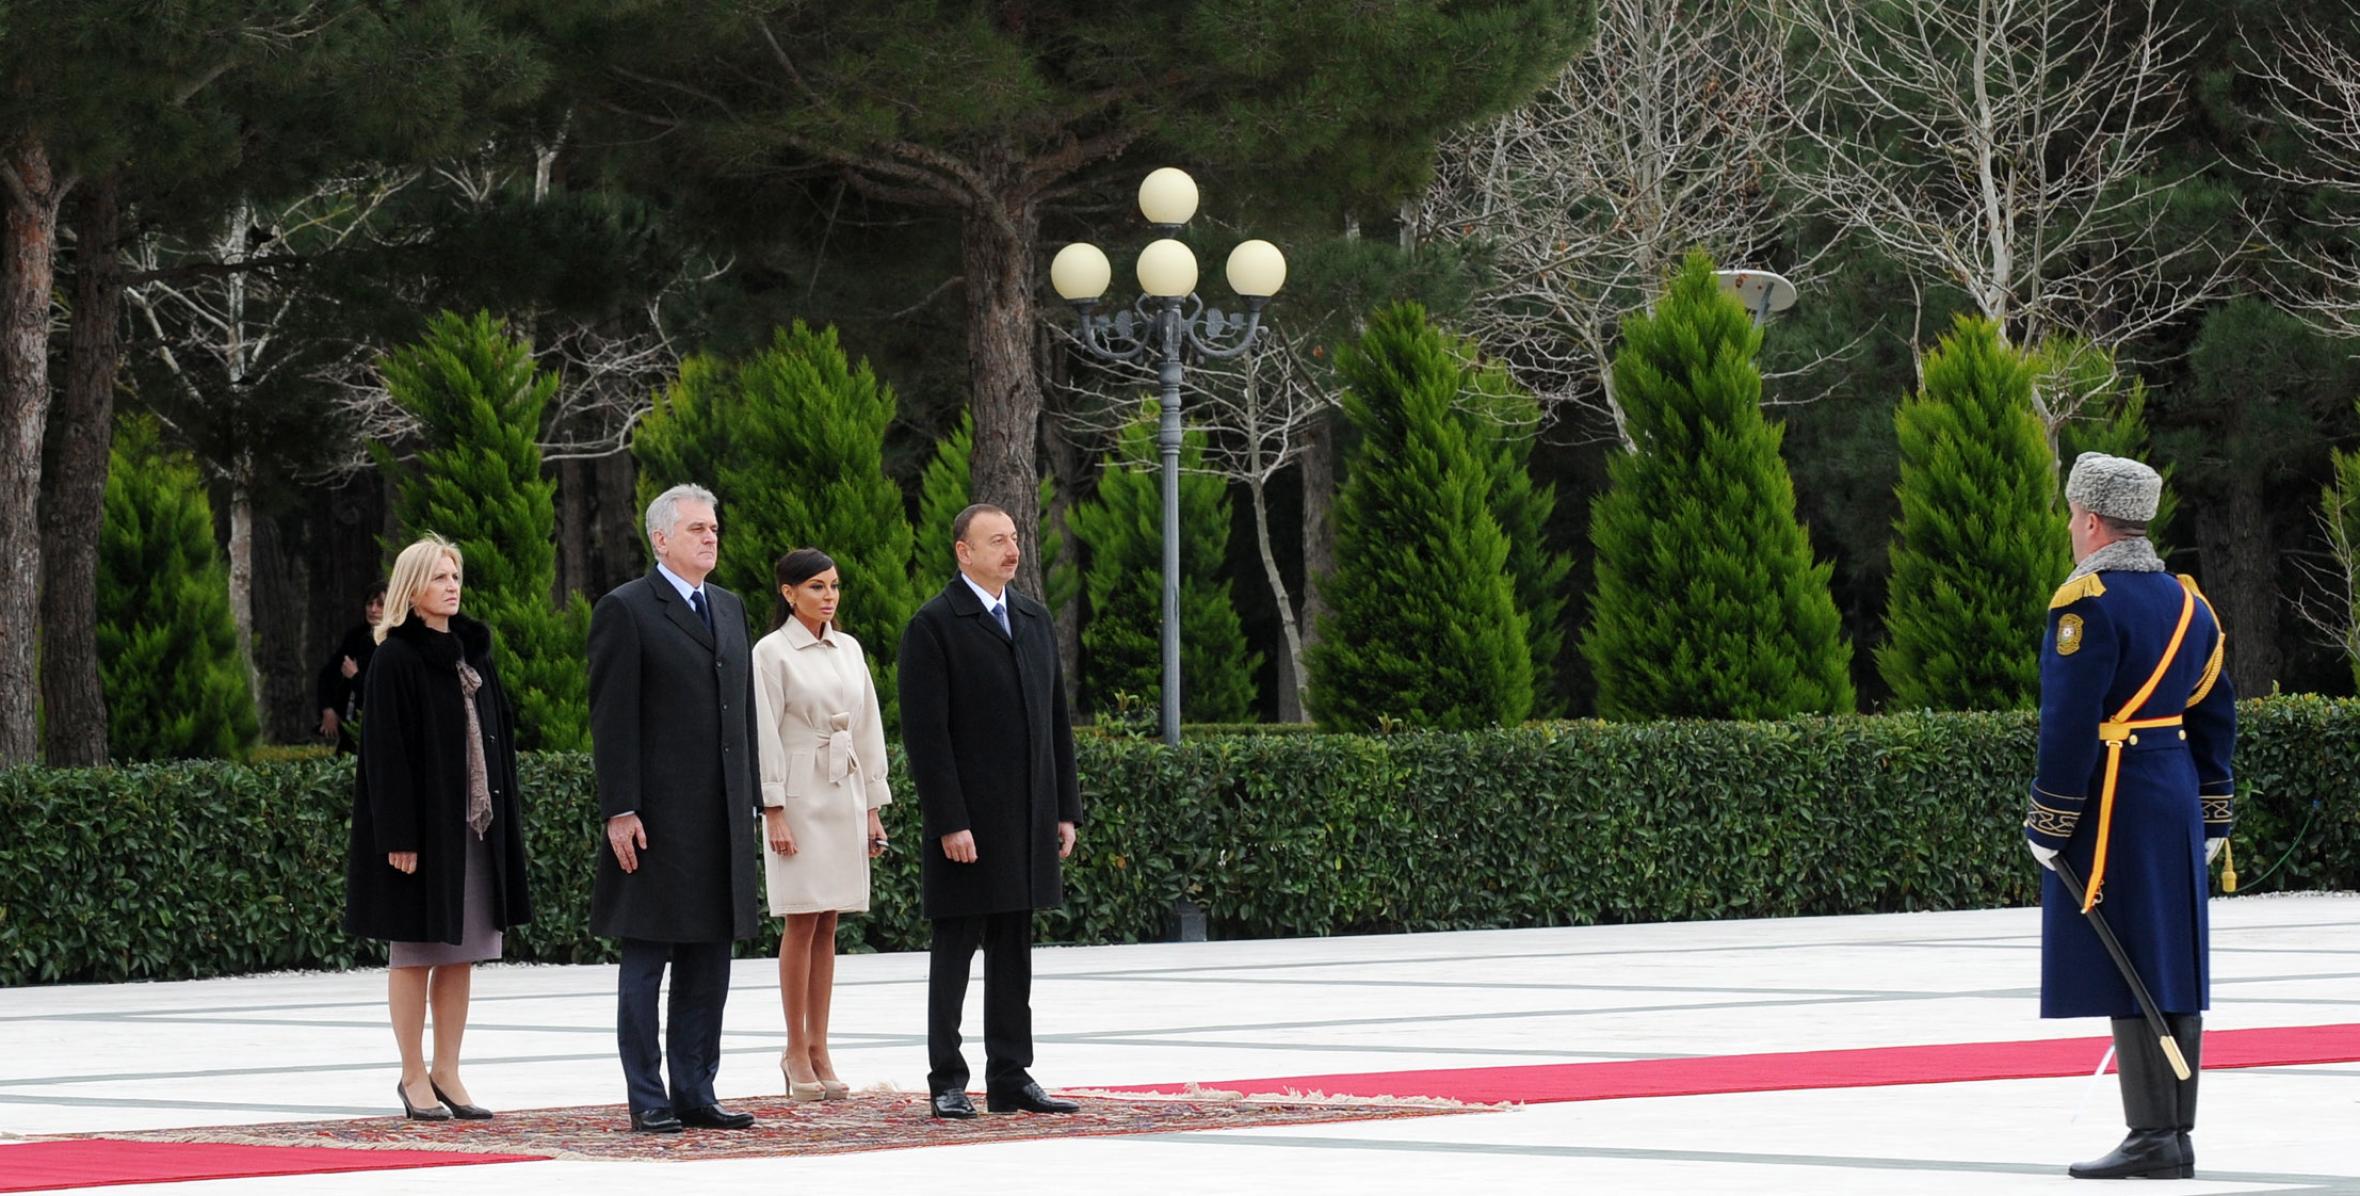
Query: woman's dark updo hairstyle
[(793, 569)]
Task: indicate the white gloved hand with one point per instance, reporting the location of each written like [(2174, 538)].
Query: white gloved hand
[(2212, 848), (2046, 855)]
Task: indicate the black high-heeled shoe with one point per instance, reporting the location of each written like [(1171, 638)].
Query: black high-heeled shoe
[(413, 1112), (461, 1111)]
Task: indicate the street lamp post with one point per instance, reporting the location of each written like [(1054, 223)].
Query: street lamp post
[(1164, 323)]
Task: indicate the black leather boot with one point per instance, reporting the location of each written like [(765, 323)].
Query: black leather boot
[(2188, 1028), (2150, 1106)]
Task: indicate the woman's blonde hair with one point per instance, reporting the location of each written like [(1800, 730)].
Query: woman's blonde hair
[(411, 571)]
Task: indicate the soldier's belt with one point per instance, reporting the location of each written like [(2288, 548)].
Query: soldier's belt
[(2128, 732), (2122, 729)]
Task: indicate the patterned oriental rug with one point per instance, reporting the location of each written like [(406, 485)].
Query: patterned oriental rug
[(867, 1121)]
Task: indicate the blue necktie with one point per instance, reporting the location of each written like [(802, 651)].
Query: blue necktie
[(696, 602), (1000, 612)]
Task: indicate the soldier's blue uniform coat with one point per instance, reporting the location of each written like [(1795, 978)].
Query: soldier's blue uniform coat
[(2173, 791)]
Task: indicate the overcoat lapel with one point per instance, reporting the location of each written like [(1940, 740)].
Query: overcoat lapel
[(677, 609), (1021, 632), (967, 605)]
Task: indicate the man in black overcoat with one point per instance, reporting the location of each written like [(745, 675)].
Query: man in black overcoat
[(672, 738), (990, 744)]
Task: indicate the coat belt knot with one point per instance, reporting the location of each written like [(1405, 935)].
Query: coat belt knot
[(840, 763)]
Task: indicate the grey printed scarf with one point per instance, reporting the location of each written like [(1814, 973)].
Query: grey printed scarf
[(479, 783)]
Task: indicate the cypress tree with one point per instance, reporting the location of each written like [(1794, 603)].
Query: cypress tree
[(1422, 625), (2112, 419), (167, 647), (1499, 412), (1979, 546), (942, 493), (2339, 515), (478, 397), (792, 440), (1708, 603), (1122, 529)]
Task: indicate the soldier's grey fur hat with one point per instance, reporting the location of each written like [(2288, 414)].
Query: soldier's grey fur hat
[(2116, 487)]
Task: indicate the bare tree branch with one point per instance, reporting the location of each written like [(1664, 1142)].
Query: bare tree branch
[(2010, 147), (2313, 81), (1660, 138)]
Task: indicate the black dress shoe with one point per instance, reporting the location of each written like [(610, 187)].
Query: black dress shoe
[(413, 1112), (714, 1117), (463, 1112), (2146, 1154), (659, 1121), (1028, 1099), (953, 1106)]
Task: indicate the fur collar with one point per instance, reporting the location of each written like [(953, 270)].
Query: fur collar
[(442, 648), (2134, 555)]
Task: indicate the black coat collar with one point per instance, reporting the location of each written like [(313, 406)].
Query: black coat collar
[(442, 649), (965, 601)]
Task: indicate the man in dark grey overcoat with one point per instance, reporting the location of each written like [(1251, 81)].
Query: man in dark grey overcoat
[(672, 737), (990, 743)]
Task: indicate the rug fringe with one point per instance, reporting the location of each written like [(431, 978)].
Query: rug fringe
[(215, 1136)]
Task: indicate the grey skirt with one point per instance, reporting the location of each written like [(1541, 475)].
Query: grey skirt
[(483, 938)]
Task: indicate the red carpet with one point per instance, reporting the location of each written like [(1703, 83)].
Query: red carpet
[(94, 1162), (1949, 1063)]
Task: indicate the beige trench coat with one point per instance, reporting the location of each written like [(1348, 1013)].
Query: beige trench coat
[(822, 745)]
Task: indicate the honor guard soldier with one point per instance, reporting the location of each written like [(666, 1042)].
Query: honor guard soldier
[(2133, 788)]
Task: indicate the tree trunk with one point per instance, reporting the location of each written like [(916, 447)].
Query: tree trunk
[(1066, 462), (241, 573), (285, 575), (30, 203), (1291, 682), (1319, 533), (622, 530), (73, 500), (573, 529), (997, 251), (2241, 578)]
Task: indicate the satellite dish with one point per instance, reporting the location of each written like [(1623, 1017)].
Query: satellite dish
[(1761, 291)]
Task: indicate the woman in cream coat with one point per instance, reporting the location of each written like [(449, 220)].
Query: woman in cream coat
[(822, 744)]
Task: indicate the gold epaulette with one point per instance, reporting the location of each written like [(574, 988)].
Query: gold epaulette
[(2085, 586), (2212, 665)]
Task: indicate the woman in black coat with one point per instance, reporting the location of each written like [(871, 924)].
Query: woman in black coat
[(437, 861)]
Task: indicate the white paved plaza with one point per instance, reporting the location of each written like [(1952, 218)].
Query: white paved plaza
[(142, 1056)]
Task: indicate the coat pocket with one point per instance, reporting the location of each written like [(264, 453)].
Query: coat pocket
[(802, 779)]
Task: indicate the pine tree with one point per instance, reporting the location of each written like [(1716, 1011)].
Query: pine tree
[(1001, 115), (167, 648), (1422, 625), (792, 440), (1708, 603), (1122, 529), (942, 494), (477, 481), (1979, 546)]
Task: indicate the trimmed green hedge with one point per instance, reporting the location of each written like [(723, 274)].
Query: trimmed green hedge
[(198, 869)]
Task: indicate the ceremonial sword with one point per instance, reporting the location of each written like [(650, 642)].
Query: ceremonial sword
[(2122, 963)]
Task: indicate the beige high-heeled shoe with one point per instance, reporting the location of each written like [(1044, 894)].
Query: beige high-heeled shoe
[(834, 1089), (798, 1091)]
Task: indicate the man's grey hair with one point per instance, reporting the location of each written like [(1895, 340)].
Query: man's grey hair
[(664, 512)]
